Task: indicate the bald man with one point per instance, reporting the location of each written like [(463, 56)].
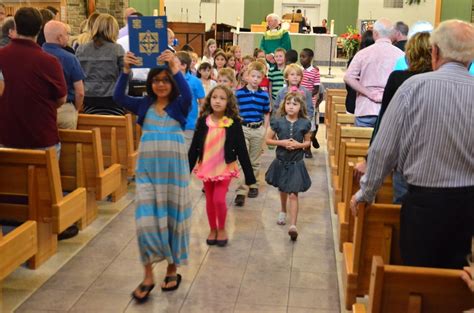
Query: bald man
[(56, 36), (369, 71), (126, 13)]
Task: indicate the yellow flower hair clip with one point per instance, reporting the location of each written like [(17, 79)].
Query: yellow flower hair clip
[(225, 122)]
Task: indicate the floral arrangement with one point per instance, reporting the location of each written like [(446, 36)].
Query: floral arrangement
[(350, 41)]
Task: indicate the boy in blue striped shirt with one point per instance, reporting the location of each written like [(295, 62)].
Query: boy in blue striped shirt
[(254, 108)]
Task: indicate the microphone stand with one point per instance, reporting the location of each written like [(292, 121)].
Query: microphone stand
[(329, 75)]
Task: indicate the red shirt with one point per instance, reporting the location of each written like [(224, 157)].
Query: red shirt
[(34, 81), (265, 84)]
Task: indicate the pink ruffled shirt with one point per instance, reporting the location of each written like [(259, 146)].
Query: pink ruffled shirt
[(212, 167)]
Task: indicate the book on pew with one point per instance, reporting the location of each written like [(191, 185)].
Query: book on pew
[(148, 37)]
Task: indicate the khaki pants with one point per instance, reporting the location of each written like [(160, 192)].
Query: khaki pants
[(254, 138), (67, 116)]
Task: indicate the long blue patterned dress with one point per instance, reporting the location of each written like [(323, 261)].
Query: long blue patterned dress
[(162, 177)]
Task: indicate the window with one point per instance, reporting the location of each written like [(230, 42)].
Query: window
[(393, 3)]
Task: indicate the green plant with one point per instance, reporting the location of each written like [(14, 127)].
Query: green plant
[(350, 40)]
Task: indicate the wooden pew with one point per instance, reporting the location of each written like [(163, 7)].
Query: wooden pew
[(32, 177), (330, 94), (340, 119), (17, 247), (137, 132), (117, 144), (345, 130), (338, 109), (376, 232), (350, 151), (402, 289), (82, 165), (350, 187)]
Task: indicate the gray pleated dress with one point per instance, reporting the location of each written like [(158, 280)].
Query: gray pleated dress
[(288, 172)]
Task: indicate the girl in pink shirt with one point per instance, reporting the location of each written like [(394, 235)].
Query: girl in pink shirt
[(216, 156)]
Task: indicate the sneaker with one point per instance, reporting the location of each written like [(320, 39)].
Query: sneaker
[(281, 218), (308, 154), (239, 200), (253, 193)]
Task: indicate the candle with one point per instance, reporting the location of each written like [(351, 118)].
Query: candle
[(332, 27), (155, 12), (238, 24)]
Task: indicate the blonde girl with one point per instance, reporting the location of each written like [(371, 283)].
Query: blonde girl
[(293, 75), (237, 52), (209, 51), (290, 132), (217, 145)]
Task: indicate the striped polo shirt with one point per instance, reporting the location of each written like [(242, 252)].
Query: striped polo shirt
[(311, 78), (252, 104), (275, 76)]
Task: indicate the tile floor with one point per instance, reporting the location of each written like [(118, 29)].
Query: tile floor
[(260, 270)]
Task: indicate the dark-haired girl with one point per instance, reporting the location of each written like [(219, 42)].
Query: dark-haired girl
[(162, 173), (217, 143)]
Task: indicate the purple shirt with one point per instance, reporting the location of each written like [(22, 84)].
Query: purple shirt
[(372, 66)]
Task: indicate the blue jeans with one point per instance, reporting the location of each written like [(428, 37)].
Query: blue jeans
[(400, 187), (365, 121)]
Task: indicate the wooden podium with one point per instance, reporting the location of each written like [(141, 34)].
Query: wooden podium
[(189, 33)]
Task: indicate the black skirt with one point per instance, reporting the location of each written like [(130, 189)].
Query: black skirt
[(288, 176)]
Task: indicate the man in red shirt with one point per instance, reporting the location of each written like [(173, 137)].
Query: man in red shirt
[(33, 88)]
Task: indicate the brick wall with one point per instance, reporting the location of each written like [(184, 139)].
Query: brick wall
[(76, 11)]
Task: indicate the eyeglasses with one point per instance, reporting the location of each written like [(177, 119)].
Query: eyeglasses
[(164, 81)]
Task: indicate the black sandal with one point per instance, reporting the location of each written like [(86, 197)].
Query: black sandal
[(169, 279), (143, 288)]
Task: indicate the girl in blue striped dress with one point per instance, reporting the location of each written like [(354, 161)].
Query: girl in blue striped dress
[(162, 175)]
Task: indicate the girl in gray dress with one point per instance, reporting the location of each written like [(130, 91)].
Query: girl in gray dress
[(290, 132)]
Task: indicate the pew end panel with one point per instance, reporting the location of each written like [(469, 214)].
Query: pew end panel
[(117, 144), (17, 247), (396, 289), (35, 193), (376, 232)]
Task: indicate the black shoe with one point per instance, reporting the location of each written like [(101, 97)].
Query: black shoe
[(315, 143), (253, 193), (222, 243), (211, 242), (70, 232), (239, 200), (308, 154)]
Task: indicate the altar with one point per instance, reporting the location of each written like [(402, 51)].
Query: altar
[(319, 43)]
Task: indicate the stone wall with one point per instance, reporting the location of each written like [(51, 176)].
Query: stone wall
[(76, 11)]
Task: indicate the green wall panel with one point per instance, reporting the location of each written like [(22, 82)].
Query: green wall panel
[(145, 6), (255, 11), (456, 9), (344, 13)]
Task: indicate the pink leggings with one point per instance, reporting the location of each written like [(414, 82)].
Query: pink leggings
[(215, 202)]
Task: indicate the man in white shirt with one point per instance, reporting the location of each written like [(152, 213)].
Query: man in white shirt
[(126, 13)]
